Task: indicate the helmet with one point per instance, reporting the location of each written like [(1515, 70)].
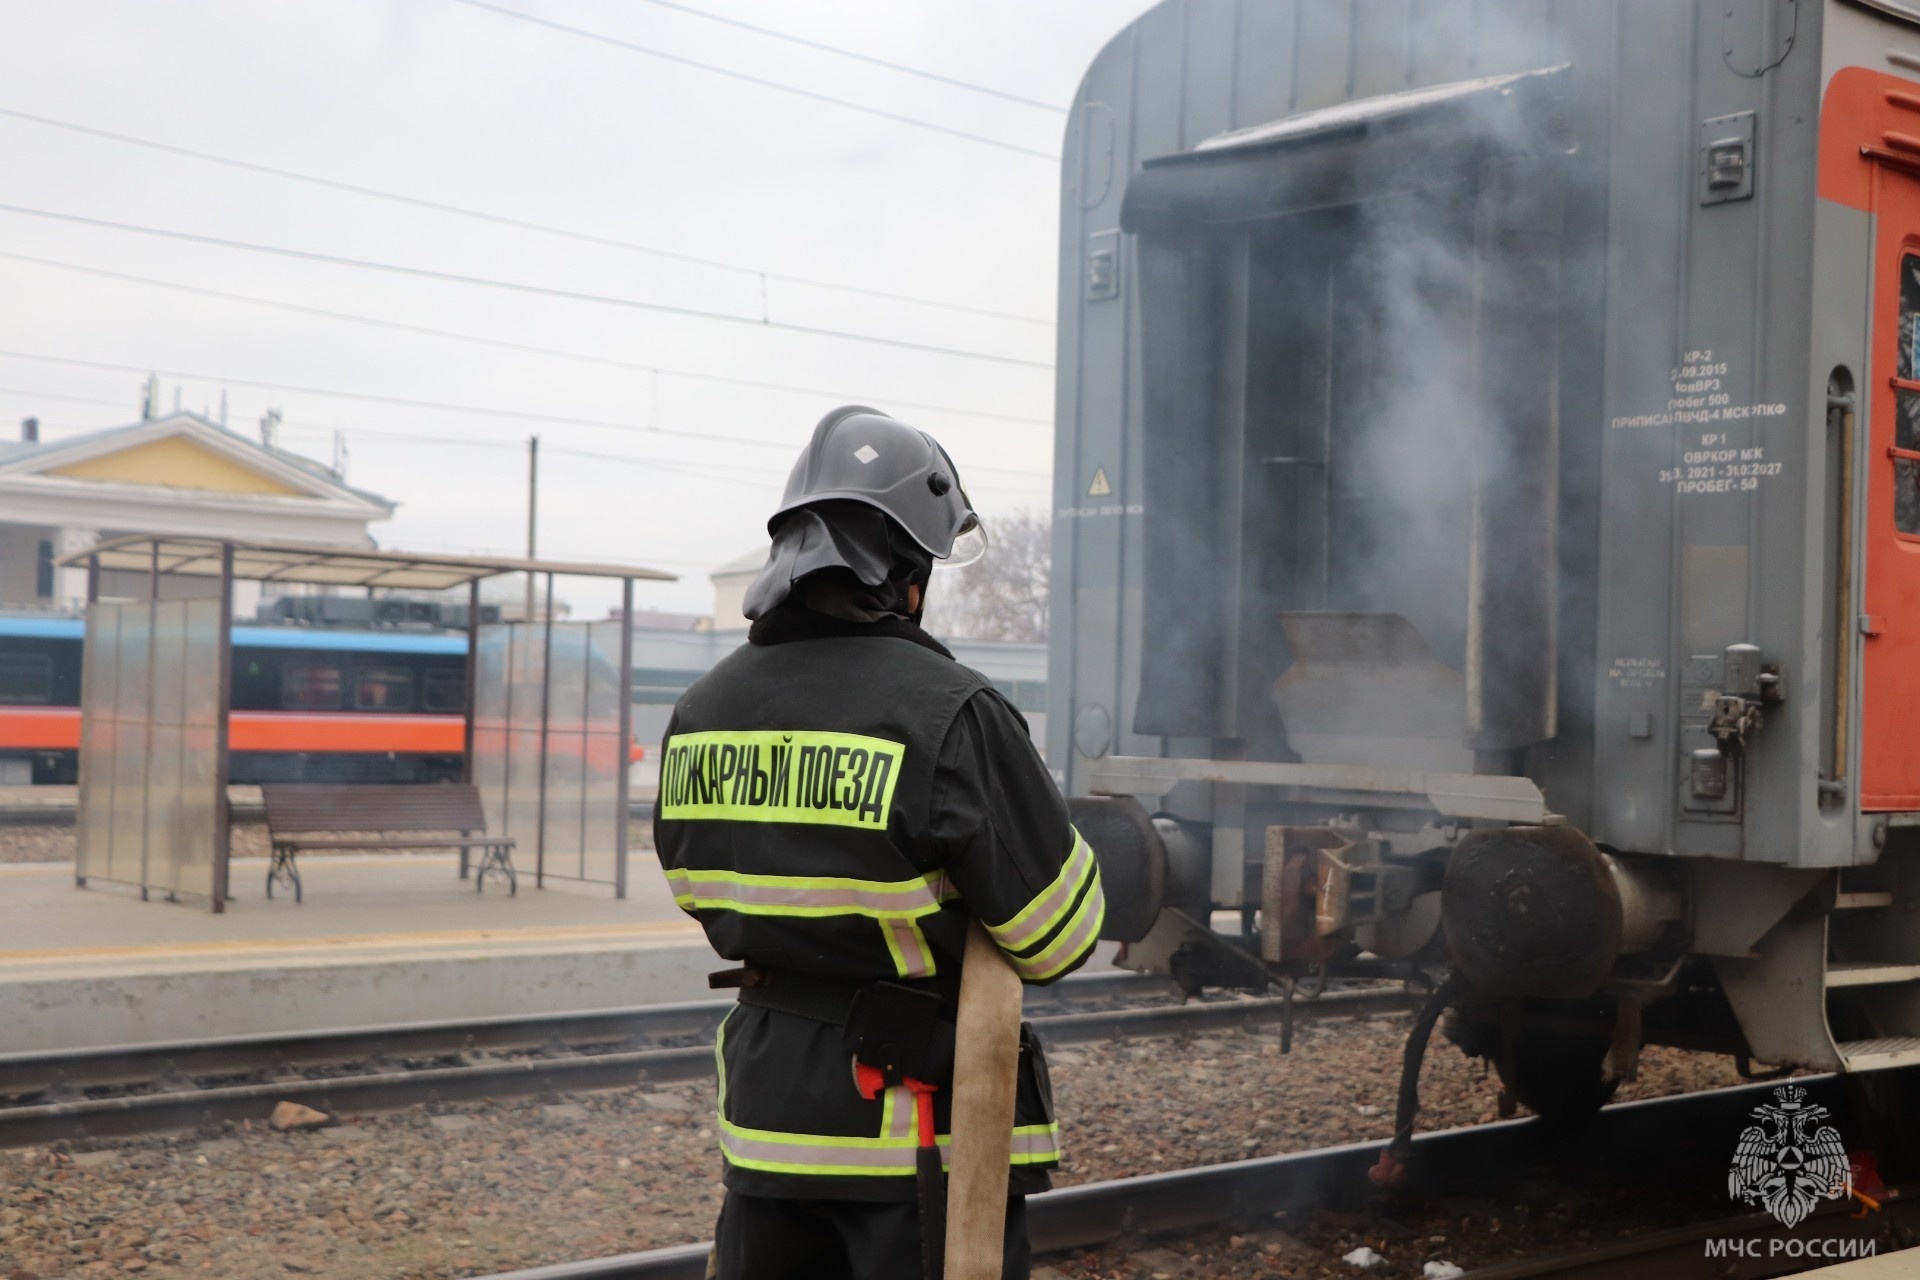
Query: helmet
[(863, 476), (863, 455)]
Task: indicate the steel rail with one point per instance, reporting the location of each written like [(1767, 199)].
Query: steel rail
[(1096, 1213), (629, 1026), (177, 1107)]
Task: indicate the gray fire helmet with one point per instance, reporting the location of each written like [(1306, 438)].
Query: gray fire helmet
[(861, 456)]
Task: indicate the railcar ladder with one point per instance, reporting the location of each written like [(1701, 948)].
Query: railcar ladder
[(1873, 964)]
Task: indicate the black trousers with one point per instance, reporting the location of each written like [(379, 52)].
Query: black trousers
[(759, 1238)]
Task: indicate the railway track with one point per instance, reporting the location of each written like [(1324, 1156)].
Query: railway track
[(113, 1092), (1094, 1214)]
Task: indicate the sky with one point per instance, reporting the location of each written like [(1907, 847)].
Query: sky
[(654, 448)]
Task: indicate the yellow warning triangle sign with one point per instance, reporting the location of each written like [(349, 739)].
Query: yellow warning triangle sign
[(1099, 488)]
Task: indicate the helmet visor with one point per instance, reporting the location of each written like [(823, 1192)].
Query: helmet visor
[(968, 545)]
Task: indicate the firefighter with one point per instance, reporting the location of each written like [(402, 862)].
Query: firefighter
[(837, 798)]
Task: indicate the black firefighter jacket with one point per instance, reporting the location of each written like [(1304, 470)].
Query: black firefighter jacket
[(836, 799)]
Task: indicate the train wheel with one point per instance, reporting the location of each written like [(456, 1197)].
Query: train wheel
[(1559, 1077)]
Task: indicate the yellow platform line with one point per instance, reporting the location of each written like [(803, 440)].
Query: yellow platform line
[(641, 931)]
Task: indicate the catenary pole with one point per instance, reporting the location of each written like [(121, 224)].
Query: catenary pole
[(533, 513)]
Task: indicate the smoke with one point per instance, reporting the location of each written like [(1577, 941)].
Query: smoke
[(1442, 459), (1405, 423), (1395, 598)]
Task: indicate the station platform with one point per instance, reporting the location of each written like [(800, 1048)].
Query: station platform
[(379, 939)]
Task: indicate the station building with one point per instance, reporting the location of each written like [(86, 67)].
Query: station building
[(173, 474)]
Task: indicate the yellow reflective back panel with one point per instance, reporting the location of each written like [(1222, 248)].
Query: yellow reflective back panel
[(780, 775)]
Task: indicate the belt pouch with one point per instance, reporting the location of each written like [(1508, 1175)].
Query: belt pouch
[(900, 1031)]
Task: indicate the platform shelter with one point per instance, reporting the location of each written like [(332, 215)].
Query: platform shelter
[(548, 709)]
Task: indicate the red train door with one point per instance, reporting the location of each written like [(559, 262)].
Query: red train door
[(1890, 611)]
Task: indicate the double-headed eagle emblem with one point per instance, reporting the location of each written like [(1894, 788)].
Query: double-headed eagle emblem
[(1785, 1164)]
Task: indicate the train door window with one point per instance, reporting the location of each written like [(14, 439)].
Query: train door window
[(26, 679), (1906, 423), (445, 689), (310, 686), (382, 689)]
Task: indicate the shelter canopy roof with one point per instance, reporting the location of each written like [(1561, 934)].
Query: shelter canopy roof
[(328, 565)]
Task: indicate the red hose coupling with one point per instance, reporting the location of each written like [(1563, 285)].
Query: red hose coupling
[(1389, 1173)]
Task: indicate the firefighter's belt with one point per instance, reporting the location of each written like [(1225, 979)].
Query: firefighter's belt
[(904, 1029)]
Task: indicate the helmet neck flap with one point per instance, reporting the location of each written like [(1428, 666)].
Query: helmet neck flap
[(843, 558)]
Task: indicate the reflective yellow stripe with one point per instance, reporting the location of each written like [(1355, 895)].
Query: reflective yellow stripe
[(1076, 937), (1035, 920), (899, 1116), (829, 1155), (912, 957), (1036, 1144), (720, 1066), (780, 775), (765, 895)]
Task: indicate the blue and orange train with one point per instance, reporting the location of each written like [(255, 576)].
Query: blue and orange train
[(310, 704)]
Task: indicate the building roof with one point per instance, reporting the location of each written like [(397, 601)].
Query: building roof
[(752, 562), (294, 473)]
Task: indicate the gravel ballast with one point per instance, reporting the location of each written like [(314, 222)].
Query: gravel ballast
[(496, 1186)]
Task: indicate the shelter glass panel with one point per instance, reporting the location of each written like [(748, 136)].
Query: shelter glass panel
[(547, 749), (182, 795), (562, 846), (99, 695), (493, 661), (603, 755), (134, 685), (525, 709), (149, 739)]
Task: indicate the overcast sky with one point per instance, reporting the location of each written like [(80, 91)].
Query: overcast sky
[(448, 102)]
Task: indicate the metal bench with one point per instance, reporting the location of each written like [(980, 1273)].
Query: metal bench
[(315, 816)]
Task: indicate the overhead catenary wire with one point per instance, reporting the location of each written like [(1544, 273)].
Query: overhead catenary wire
[(702, 471), (520, 224), (732, 473), (857, 56), (515, 286), (729, 471), (813, 95), (505, 344), (28, 394), (486, 411), (366, 397)]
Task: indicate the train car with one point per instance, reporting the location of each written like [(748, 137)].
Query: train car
[(309, 704), (1488, 533)]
